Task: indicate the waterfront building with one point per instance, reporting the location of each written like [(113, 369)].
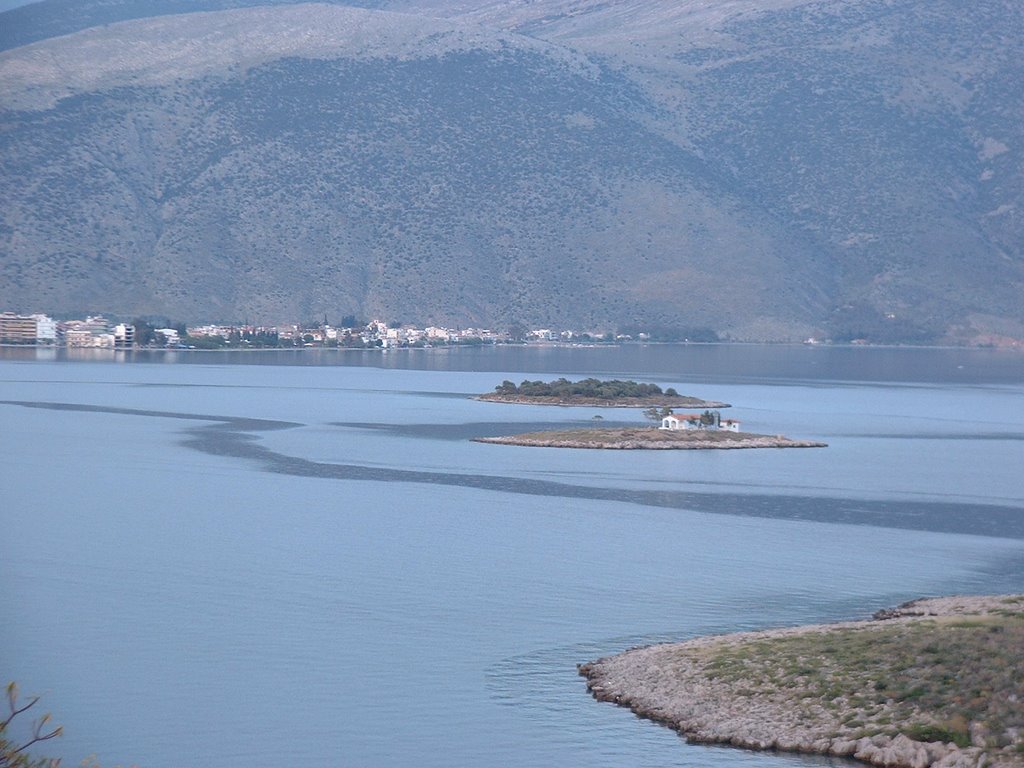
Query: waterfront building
[(17, 329), (171, 337), (94, 331), (124, 335), (46, 329)]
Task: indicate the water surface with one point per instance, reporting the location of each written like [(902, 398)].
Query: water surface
[(227, 563)]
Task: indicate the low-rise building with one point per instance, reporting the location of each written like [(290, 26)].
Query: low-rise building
[(198, 331), (706, 420), (436, 333), (80, 337), (171, 337), (94, 331)]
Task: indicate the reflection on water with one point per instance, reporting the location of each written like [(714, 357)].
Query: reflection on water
[(681, 362)]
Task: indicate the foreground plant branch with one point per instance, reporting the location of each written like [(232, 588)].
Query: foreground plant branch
[(13, 755)]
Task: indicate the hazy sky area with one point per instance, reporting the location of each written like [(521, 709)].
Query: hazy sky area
[(6, 5)]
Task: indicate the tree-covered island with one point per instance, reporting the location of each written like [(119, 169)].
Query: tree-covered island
[(676, 431), (614, 393)]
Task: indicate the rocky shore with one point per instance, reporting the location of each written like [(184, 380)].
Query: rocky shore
[(649, 438), (934, 683)]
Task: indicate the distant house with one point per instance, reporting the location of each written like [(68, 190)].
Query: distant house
[(706, 420), (171, 338)]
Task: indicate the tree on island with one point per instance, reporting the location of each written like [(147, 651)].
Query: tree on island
[(656, 414)]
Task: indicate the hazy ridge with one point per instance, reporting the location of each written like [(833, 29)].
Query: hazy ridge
[(769, 170)]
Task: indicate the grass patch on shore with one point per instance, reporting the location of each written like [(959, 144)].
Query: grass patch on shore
[(639, 434), (932, 680)]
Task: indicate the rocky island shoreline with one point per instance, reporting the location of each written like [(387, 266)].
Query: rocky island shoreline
[(648, 438), (934, 683)]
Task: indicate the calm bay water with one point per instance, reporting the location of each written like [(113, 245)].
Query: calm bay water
[(255, 560)]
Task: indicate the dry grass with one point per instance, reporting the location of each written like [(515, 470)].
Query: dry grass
[(649, 438), (950, 679), (638, 434)]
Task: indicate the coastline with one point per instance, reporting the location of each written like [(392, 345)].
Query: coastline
[(729, 689), (649, 439)]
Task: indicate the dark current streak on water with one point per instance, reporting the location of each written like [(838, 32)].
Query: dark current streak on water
[(974, 436), (235, 422), (233, 437), (469, 430)]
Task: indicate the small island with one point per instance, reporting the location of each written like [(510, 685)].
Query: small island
[(594, 393), (648, 438), (934, 683)]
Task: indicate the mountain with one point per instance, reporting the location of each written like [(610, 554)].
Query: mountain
[(770, 170)]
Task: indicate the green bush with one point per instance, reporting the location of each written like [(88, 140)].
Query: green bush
[(926, 733), (602, 390)]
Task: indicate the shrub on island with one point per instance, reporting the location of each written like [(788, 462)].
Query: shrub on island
[(562, 388)]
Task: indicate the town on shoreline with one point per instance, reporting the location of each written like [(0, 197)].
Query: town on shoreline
[(97, 331)]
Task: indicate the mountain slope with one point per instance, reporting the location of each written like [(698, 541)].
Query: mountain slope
[(890, 129), (771, 170)]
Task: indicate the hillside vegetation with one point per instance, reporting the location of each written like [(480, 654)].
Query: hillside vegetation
[(765, 170)]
